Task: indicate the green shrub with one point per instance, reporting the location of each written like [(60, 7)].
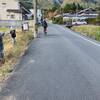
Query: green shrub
[(58, 20), (97, 36), (98, 21), (93, 21)]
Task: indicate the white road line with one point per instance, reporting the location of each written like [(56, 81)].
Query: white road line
[(82, 37)]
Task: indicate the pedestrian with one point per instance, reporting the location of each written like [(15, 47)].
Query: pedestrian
[(42, 21), (45, 25), (13, 35), (1, 48)]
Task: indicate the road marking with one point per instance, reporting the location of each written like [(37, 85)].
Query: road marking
[(82, 37), (32, 61)]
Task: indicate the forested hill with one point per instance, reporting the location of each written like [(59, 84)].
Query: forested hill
[(81, 1), (41, 3), (49, 3)]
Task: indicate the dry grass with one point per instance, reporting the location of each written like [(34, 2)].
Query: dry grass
[(89, 30), (13, 52)]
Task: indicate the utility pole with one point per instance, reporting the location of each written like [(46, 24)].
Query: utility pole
[(35, 17)]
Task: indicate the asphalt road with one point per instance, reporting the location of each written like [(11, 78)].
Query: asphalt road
[(60, 66)]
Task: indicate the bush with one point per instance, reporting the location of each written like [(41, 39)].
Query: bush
[(95, 21), (58, 20), (98, 21), (97, 36), (90, 20)]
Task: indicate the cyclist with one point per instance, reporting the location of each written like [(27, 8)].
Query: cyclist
[(45, 25)]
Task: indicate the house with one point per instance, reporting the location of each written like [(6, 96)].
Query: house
[(26, 13), (10, 10), (83, 14), (89, 13), (39, 14)]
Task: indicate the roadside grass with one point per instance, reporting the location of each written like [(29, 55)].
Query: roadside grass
[(13, 52), (91, 31)]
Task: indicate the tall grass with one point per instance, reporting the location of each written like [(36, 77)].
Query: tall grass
[(13, 52), (91, 31)]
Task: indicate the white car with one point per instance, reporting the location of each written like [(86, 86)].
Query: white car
[(79, 23)]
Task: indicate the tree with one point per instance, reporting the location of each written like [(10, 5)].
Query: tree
[(73, 7), (79, 7), (67, 8), (99, 12)]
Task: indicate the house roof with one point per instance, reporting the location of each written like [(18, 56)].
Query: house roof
[(88, 11), (14, 10), (24, 9)]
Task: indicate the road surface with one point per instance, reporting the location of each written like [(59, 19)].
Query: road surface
[(60, 66)]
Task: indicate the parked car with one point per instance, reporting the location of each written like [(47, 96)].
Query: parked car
[(69, 24), (79, 23)]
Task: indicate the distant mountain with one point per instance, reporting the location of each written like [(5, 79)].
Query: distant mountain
[(81, 1), (42, 3), (46, 4)]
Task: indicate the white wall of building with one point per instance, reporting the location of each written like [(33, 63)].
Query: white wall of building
[(9, 4), (39, 13)]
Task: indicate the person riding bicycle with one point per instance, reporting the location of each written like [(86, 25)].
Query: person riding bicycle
[(45, 25)]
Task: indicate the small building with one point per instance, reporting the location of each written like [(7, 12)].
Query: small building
[(39, 13), (83, 14), (10, 10), (89, 13)]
